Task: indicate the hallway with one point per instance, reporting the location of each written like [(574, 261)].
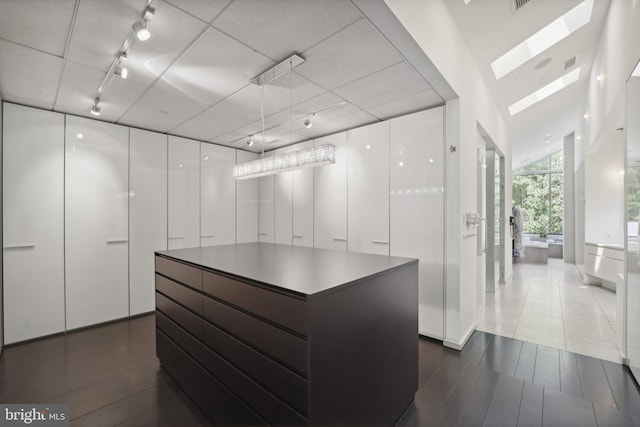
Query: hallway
[(549, 305)]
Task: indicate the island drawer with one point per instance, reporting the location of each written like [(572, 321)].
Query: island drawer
[(203, 388), (283, 346), (180, 293), (283, 383), (279, 308), (180, 272), (180, 315), (274, 410)]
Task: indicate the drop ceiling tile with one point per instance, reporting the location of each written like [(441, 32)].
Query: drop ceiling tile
[(42, 25), (239, 136), (279, 27), (350, 121), (26, 101), (352, 53), (29, 74), (172, 30), (162, 108), (386, 85), (215, 67), (210, 123), (78, 88), (120, 97), (408, 104), (100, 30), (205, 10), (322, 103), (277, 97)]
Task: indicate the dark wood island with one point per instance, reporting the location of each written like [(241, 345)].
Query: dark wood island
[(265, 334)]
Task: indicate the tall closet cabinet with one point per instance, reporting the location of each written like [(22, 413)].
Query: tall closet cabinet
[(33, 222), (87, 203)]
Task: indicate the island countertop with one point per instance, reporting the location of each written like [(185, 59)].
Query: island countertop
[(308, 272)]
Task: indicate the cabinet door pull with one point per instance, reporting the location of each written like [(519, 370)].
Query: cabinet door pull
[(379, 242), (339, 239), (262, 234), (176, 237), (298, 236), (23, 246), (208, 235), (111, 241)]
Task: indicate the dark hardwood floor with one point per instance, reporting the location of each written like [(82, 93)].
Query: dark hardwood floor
[(109, 376)]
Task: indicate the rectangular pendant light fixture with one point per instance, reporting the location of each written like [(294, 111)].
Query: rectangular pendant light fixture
[(310, 157)]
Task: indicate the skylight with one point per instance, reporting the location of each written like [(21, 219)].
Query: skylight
[(636, 72), (543, 39), (544, 92)]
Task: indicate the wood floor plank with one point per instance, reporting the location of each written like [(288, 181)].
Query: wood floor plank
[(526, 361), (505, 403), (547, 369), (431, 356), (173, 409), (611, 417), (562, 409), (569, 375), (624, 388), (460, 395), (530, 411), (479, 399), (595, 385), (502, 355)]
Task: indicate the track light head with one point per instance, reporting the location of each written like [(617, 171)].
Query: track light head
[(121, 72), (140, 29), (307, 123), (95, 109), (250, 142)]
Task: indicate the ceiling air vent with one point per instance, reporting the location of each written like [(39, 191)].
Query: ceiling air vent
[(569, 63), (517, 4)]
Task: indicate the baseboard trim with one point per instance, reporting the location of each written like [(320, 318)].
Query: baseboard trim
[(460, 345)]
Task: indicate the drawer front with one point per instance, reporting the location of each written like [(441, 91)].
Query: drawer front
[(286, 348), (180, 272), (180, 293), (183, 317), (215, 400), (287, 386), (284, 310), (263, 402)]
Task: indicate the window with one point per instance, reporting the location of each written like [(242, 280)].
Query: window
[(538, 189)]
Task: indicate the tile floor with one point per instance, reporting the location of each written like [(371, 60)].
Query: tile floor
[(549, 305)]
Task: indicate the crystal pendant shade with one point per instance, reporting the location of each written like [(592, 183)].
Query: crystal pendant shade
[(310, 157)]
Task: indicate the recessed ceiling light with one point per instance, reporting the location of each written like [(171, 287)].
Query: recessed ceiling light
[(540, 65), (548, 36), (544, 92)]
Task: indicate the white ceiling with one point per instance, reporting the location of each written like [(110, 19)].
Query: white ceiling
[(191, 78), (491, 28)]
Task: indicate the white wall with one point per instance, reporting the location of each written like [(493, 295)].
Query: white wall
[(433, 28), (604, 191), (618, 52)]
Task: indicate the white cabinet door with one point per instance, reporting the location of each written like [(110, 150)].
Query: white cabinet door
[(96, 218), (147, 214), (330, 197), (267, 209), (218, 195), (247, 196), (33, 197), (303, 203), (184, 193), (283, 198), (368, 189), (417, 208)]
